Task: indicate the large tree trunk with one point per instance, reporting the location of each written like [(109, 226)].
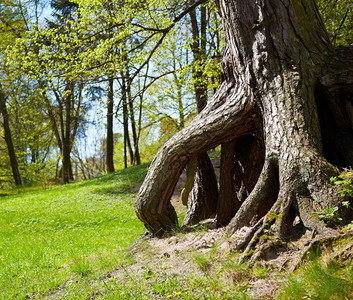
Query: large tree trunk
[(8, 139), (278, 67)]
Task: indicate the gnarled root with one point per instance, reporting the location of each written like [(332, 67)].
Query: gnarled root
[(289, 213)]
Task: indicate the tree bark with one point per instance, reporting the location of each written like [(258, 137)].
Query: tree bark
[(204, 195), (110, 137), (277, 67), (241, 163), (228, 202), (66, 134), (136, 156), (8, 139), (127, 144)]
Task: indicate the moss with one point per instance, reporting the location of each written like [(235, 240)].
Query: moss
[(264, 238), (341, 240), (249, 254), (315, 216), (272, 217)]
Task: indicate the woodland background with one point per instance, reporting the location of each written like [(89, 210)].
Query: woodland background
[(88, 87)]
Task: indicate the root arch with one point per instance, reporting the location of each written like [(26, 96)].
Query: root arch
[(276, 113)]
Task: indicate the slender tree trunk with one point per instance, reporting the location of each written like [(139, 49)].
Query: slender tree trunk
[(204, 195), (228, 202), (110, 137), (136, 158), (127, 144), (198, 48), (181, 124), (8, 139), (66, 139), (241, 163)]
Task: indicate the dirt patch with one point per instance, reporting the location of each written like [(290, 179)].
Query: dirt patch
[(208, 255)]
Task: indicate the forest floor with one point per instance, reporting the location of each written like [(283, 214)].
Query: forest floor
[(203, 265), (209, 255)]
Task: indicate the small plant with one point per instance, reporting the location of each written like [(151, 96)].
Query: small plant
[(345, 180), (329, 216), (348, 227), (261, 271), (203, 261), (81, 266)]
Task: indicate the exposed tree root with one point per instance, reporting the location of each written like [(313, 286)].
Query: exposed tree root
[(261, 193), (296, 201), (318, 242)]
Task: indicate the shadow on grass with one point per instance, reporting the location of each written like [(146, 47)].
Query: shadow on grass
[(126, 181), (4, 194), (114, 190)]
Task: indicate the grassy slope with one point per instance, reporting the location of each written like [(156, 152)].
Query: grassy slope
[(69, 242), (50, 236)]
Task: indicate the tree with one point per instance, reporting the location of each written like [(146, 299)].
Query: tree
[(282, 112), (110, 136), (9, 139), (47, 54), (12, 24)]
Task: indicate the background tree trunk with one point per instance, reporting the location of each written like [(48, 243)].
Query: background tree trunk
[(8, 139), (66, 133), (110, 137), (204, 195)]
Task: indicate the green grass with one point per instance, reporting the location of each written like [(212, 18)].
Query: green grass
[(48, 237), (63, 243), (316, 280)]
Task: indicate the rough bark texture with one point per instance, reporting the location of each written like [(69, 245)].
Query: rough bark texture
[(278, 67), (204, 195), (241, 163)]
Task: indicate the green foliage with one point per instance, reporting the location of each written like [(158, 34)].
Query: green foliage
[(204, 261), (329, 216), (338, 18), (81, 266), (344, 180)]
